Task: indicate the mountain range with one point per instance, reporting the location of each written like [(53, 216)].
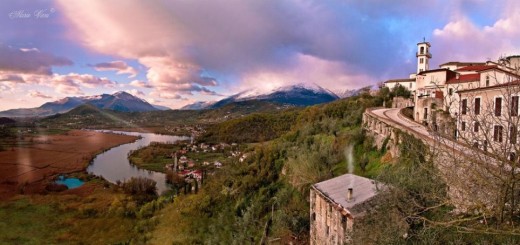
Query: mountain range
[(120, 101), (294, 95)]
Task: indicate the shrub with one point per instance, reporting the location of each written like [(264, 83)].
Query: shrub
[(141, 189)]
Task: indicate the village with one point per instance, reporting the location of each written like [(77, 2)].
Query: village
[(188, 163)]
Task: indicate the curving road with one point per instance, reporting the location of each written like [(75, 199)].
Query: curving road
[(394, 115)]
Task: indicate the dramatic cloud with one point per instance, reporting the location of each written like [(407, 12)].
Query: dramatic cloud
[(185, 44), (29, 60), (120, 67), (38, 94)]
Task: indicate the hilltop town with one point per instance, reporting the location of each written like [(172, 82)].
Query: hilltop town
[(467, 112)]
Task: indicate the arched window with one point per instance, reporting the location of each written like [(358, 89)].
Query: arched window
[(422, 50)]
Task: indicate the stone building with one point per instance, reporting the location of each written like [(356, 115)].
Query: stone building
[(335, 204)]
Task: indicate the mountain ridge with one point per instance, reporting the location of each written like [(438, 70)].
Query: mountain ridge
[(119, 101)]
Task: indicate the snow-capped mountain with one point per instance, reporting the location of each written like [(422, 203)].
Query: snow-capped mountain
[(199, 105), (120, 101), (352, 92), (297, 95)]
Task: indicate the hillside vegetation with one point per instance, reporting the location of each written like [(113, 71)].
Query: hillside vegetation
[(266, 196)]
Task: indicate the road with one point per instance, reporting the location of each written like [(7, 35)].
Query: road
[(392, 114)]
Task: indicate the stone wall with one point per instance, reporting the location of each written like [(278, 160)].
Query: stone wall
[(328, 224)]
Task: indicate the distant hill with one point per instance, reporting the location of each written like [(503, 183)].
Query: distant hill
[(6, 120), (120, 101), (295, 95)]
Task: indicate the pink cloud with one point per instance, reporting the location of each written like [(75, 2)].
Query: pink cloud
[(38, 94), (120, 67), (29, 60), (140, 84)]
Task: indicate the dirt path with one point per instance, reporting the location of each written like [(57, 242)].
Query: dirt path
[(32, 167)]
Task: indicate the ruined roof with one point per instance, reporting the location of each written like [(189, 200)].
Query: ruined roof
[(336, 189)]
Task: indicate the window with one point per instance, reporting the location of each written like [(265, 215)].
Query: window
[(485, 145), (497, 133), (422, 50), (425, 113), (464, 106), (477, 106), (513, 134), (420, 70), (313, 216), (476, 126), (463, 126), (498, 106), (487, 81), (450, 91), (421, 60), (475, 144), (514, 106), (410, 85)]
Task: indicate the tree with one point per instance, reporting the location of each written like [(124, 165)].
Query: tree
[(141, 189)]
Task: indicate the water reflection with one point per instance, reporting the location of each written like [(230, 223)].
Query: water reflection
[(113, 165)]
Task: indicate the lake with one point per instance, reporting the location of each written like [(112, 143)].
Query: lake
[(113, 165)]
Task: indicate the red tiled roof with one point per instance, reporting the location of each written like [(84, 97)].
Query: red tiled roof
[(462, 63), (476, 68), (464, 78)]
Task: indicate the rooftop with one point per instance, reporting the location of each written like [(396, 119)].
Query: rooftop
[(401, 80), (464, 78), (336, 189), (476, 67), (462, 63)]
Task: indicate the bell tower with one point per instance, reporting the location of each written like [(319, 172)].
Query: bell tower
[(423, 56)]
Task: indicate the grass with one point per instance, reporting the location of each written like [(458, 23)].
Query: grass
[(65, 219), (23, 222)]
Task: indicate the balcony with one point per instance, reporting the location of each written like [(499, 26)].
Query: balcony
[(427, 54)]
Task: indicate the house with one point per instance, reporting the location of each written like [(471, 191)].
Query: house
[(459, 96), (183, 160), (336, 204)]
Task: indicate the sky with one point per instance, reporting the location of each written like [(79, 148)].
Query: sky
[(176, 52)]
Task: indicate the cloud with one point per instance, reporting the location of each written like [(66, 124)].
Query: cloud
[(29, 60), (140, 84), (11, 78), (120, 67), (135, 92), (86, 80), (38, 94), (461, 39), (63, 83), (186, 45)]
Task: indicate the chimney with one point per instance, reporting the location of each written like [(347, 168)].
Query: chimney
[(349, 194)]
